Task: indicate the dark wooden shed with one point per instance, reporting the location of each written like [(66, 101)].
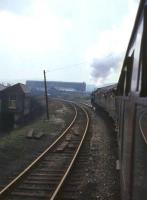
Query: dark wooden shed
[(15, 102)]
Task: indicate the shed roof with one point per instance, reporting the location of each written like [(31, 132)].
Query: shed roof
[(2, 87), (24, 88), (19, 86)]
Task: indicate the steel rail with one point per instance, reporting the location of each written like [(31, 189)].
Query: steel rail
[(25, 171), (54, 195)]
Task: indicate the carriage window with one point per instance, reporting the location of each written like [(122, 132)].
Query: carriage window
[(128, 74), (120, 87), (139, 78), (143, 65), (143, 77), (136, 61), (124, 85)]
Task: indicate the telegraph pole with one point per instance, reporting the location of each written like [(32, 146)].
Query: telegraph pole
[(46, 96)]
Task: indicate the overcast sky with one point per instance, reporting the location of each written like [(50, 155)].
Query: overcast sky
[(74, 40)]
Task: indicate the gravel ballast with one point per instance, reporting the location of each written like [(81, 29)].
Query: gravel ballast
[(102, 178)]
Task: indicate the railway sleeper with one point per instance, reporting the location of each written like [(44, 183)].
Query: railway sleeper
[(30, 194)]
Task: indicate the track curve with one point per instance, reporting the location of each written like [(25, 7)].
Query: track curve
[(60, 155)]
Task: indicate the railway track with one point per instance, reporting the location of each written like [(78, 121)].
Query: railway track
[(44, 178), (76, 182)]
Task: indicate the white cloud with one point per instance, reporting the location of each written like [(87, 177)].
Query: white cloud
[(40, 31), (29, 40), (30, 32)]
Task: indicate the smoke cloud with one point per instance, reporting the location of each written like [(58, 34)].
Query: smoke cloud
[(105, 68), (109, 50)]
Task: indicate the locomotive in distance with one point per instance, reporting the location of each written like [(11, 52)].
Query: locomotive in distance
[(126, 103)]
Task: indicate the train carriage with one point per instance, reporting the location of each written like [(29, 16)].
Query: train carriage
[(105, 97), (130, 107)]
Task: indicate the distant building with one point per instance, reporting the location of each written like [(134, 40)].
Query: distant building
[(14, 102), (38, 86)]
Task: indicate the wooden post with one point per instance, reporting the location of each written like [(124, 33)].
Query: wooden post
[(46, 96)]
